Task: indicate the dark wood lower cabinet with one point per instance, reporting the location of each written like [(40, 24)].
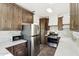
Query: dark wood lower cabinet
[(18, 50), (10, 49)]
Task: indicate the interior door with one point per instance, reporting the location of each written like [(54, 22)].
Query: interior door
[(60, 23), (43, 29)]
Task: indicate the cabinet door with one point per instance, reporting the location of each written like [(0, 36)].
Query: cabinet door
[(27, 17), (24, 20), (9, 17), (77, 6), (10, 49), (74, 16), (15, 18), (1, 19), (20, 50), (19, 18), (4, 16)]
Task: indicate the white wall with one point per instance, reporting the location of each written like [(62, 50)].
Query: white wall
[(53, 20), (66, 19), (54, 29), (6, 36)]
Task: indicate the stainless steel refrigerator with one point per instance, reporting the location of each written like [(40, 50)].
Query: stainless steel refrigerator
[(31, 33)]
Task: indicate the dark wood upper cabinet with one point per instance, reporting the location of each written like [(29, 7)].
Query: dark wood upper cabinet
[(20, 18), (74, 16), (9, 16), (12, 16), (27, 17), (30, 18), (17, 20), (3, 17), (1, 26), (6, 16), (24, 16)]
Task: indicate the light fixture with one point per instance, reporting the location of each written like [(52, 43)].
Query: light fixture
[(49, 10)]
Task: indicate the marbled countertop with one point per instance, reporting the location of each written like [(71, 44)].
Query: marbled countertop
[(4, 45), (67, 47)]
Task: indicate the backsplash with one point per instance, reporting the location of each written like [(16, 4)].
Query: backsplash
[(54, 29), (6, 36)]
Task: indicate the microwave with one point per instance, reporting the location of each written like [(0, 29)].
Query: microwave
[(15, 38)]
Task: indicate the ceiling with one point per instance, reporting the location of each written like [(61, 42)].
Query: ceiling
[(40, 8)]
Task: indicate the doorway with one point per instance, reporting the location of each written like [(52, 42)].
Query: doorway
[(43, 29), (60, 23)]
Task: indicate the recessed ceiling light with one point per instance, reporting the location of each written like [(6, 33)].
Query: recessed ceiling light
[(49, 10)]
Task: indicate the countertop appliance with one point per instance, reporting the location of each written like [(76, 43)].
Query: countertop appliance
[(31, 33), (15, 38)]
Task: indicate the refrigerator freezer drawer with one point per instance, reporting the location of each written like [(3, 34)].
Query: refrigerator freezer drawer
[(35, 45)]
